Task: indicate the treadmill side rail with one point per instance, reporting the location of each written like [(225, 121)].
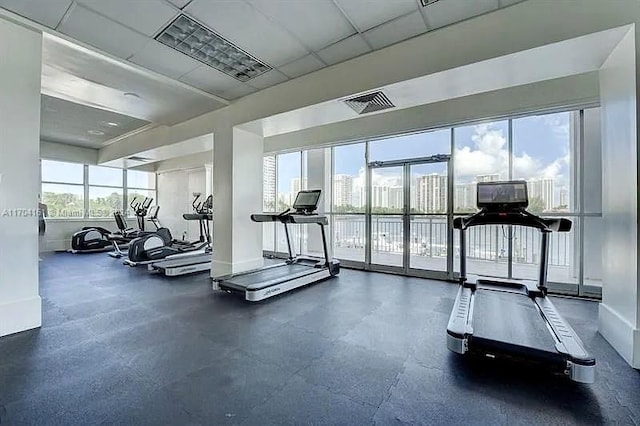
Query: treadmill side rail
[(570, 343), (459, 328)]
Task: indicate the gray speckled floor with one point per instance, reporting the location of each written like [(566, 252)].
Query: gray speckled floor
[(119, 346)]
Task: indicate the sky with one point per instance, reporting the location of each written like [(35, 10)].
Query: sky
[(541, 147)]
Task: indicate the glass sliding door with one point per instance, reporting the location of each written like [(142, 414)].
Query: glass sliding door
[(429, 216), (410, 216), (387, 201)]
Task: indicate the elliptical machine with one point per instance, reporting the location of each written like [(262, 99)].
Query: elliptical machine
[(160, 244), (92, 239)]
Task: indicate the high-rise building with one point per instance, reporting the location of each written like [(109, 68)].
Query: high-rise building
[(431, 194), (465, 196), (269, 183), (543, 189), (380, 196), (493, 177), (396, 197), (564, 198), (343, 193), (297, 185)]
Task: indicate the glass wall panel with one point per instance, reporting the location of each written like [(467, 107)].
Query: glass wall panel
[(63, 201), (386, 240), (104, 201), (349, 168), (592, 162), (61, 172), (543, 156), (410, 146), (349, 237), (481, 155)]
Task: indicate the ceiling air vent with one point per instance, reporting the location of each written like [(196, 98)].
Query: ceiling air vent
[(141, 159), (426, 3), (191, 38), (370, 102)]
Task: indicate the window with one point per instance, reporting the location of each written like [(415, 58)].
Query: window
[(288, 183), (349, 200), (415, 145), (63, 189), (64, 186), (481, 155), (105, 191), (140, 185), (542, 155)]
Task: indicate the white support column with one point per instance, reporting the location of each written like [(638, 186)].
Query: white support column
[(237, 190), (618, 315), (20, 68), (318, 177), (208, 170)]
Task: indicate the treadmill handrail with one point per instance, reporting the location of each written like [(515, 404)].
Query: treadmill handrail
[(517, 217), (290, 218)]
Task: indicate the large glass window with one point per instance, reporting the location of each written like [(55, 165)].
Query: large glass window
[(63, 189), (349, 200), (558, 154), (105, 191), (542, 155), (415, 145), (288, 183), (140, 185)]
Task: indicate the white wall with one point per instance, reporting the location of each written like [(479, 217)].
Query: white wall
[(73, 154), (175, 191), (618, 315), (20, 69), (573, 90), (59, 232)]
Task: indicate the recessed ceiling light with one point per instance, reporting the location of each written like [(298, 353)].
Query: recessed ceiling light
[(426, 3), (201, 43), (95, 132), (132, 95)]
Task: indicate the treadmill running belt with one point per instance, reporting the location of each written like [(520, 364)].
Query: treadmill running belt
[(255, 279), (510, 318)]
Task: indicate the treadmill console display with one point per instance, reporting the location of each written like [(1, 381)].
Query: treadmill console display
[(508, 195), (307, 201)]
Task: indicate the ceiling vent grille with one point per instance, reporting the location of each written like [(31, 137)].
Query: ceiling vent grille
[(193, 39), (370, 102), (426, 3)]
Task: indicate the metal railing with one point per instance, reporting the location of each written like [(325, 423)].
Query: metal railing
[(429, 239)]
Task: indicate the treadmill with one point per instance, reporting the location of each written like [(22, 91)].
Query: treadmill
[(194, 261), (296, 271), (514, 320)]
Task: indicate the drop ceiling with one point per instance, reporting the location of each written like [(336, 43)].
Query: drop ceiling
[(293, 37), (80, 125)]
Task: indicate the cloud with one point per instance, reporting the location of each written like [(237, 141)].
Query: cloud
[(490, 155)]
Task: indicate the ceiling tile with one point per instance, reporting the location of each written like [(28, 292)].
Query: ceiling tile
[(450, 11), (268, 79), (210, 80), (160, 58), (146, 16), (89, 27), (395, 31), (47, 13), (180, 3), (302, 66), (238, 92), (344, 49), (249, 29), (315, 23), (366, 14), (68, 122)]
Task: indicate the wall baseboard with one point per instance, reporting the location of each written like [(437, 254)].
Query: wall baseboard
[(20, 315), (621, 334)]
